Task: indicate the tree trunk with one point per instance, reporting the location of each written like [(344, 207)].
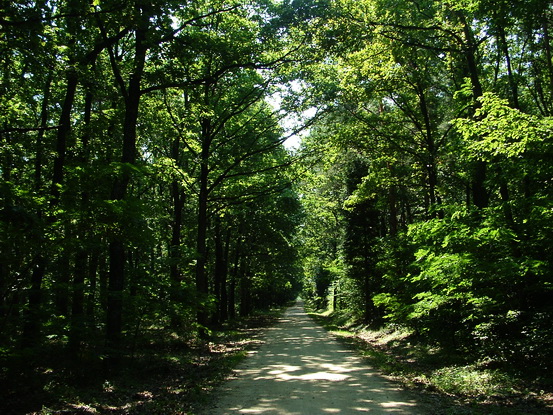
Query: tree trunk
[(202, 286), (32, 328), (432, 176), (76, 331), (174, 250), (223, 309), (116, 284), (548, 56), (512, 82), (480, 196), (368, 293), (392, 207), (64, 130), (245, 281), (32, 320), (81, 268), (61, 285), (219, 270), (233, 279), (469, 49), (103, 274), (92, 271), (245, 292), (40, 136)]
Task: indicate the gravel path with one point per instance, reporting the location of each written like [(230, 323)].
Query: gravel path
[(301, 369)]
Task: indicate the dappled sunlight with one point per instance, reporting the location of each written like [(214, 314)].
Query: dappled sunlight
[(396, 404), (284, 369), (314, 376), (301, 369)]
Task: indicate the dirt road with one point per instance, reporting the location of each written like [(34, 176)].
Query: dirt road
[(301, 369)]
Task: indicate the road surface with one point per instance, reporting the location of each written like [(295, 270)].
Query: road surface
[(301, 369)]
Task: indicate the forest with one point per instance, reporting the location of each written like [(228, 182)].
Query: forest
[(149, 188)]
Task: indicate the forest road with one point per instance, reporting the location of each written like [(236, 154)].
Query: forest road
[(301, 369)]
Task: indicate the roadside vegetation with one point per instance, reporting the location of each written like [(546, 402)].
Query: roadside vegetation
[(165, 373), (447, 381)]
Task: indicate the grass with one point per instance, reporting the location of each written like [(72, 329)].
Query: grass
[(472, 381), (167, 374), (446, 381)]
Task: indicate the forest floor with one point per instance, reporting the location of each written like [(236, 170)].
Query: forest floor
[(284, 364), (446, 382), (301, 369), (163, 374)]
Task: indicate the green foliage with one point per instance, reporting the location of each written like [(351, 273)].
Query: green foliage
[(470, 381), (442, 224), (144, 181), (124, 139), (502, 131)]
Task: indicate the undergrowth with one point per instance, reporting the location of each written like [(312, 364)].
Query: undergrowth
[(165, 374), (450, 382)]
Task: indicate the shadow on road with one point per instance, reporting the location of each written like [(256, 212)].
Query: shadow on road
[(302, 370)]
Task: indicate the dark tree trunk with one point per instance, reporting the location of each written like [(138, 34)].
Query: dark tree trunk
[(219, 270), (512, 82), (432, 182), (116, 285), (61, 286), (76, 331), (32, 328), (32, 323), (103, 273), (61, 283), (480, 196), (392, 207), (92, 270), (202, 285), (368, 291), (40, 136), (548, 56), (32, 319), (233, 279), (174, 249), (64, 130), (469, 49), (432, 176), (245, 292), (223, 309)]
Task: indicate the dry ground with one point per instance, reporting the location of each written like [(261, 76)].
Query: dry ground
[(302, 370)]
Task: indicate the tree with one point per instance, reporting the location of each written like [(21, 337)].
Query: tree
[(114, 105), (428, 100)]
